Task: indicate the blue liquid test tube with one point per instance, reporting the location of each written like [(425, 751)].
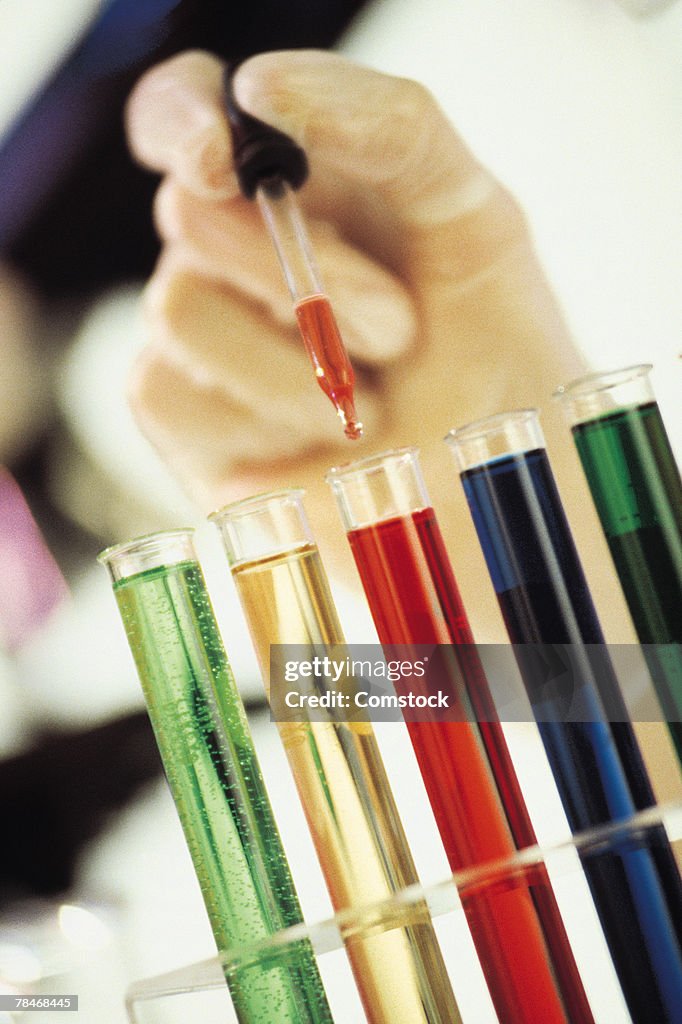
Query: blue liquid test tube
[(596, 763)]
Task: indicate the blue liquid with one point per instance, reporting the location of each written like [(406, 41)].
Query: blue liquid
[(596, 764)]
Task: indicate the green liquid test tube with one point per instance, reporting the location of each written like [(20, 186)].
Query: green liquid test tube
[(635, 484), (214, 776)]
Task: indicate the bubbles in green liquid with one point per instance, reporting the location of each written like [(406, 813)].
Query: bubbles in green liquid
[(215, 779)]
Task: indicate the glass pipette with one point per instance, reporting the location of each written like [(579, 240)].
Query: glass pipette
[(270, 167)]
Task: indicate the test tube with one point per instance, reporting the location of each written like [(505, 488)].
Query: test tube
[(214, 776), (597, 765), (635, 483), (336, 764), (467, 768), (270, 168)]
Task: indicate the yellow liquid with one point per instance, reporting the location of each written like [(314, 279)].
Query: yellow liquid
[(348, 802)]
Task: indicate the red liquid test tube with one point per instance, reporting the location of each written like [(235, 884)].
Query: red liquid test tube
[(466, 765)]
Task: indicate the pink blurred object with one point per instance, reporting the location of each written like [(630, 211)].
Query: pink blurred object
[(31, 583)]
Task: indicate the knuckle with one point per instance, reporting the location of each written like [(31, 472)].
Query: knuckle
[(510, 215), (140, 386), (413, 101), (155, 392), (168, 292), (170, 213)]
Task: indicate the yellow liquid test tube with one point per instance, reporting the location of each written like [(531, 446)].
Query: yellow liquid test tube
[(337, 765)]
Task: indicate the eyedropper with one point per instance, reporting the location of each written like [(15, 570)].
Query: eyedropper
[(270, 168)]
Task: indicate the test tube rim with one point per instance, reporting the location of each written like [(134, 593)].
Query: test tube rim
[(246, 505), (487, 425), (601, 380), (147, 541), (369, 463)]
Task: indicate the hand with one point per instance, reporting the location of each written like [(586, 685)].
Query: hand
[(427, 261)]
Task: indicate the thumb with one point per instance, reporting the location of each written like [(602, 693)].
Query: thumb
[(384, 133)]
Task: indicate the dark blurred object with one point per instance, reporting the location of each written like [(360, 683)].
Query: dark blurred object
[(59, 795), (75, 212)]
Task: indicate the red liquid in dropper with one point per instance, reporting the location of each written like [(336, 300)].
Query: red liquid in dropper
[(414, 599), (328, 355)]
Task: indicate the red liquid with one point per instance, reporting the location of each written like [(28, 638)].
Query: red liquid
[(470, 779), (328, 355)]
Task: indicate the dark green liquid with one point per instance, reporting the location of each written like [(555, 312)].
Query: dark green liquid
[(215, 779), (636, 487)]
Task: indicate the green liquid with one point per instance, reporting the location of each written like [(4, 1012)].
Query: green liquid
[(215, 779), (636, 487)]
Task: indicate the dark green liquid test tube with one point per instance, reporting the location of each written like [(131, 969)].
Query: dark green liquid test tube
[(635, 484), (214, 776)]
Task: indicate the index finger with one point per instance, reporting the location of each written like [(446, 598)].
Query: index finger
[(176, 124)]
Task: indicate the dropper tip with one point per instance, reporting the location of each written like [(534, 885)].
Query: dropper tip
[(345, 409), (353, 430)]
